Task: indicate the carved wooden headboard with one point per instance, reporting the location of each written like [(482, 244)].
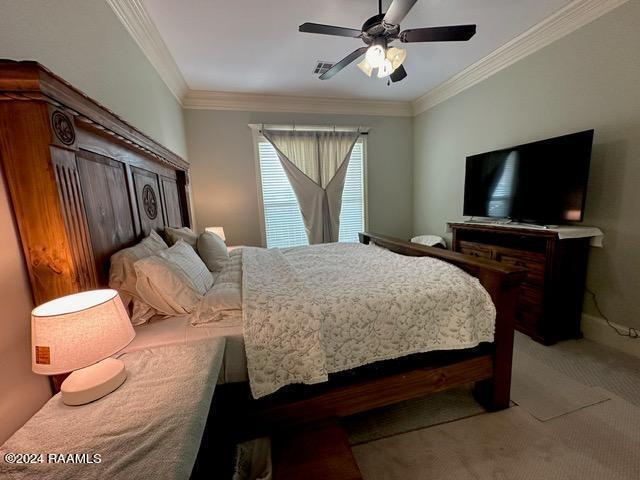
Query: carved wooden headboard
[(83, 182)]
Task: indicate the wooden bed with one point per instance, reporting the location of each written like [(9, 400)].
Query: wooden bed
[(84, 184), (385, 383), (303, 419)]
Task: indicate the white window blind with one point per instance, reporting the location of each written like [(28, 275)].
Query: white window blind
[(352, 213), (282, 218)]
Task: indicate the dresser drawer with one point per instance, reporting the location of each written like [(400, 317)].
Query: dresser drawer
[(530, 298), (533, 262), (530, 307), (475, 249)]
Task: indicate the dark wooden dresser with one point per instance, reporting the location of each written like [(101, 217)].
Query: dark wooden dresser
[(550, 299)]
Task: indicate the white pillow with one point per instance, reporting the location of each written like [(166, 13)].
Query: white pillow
[(225, 296), (122, 275), (213, 251), (174, 280), (184, 233), (185, 259)]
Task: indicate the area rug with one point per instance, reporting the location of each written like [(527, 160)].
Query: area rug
[(439, 408), (546, 393)]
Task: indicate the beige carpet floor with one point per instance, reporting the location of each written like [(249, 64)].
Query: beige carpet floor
[(530, 382), (592, 441)]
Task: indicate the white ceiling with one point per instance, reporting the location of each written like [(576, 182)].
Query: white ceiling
[(253, 46)]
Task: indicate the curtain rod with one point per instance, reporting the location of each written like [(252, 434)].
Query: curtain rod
[(364, 130)]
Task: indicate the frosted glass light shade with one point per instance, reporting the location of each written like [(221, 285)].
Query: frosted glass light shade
[(78, 330), (219, 231), (396, 56), (375, 56), (365, 67), (385, 70)]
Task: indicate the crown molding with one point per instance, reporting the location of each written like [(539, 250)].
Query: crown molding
[(566, 20), (140, 26), (251, 102)]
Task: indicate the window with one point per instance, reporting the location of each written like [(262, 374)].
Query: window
[(282, 218)]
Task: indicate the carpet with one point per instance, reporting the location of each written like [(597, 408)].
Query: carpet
[(589, 363), (546, 393), (542, 390), (599, 442)]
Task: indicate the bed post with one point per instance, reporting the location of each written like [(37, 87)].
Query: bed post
[(494, 393)]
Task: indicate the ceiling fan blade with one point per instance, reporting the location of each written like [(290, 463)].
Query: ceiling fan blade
[(398, 74), (343, 63), (453, 33), (329, 30), (397, 11)]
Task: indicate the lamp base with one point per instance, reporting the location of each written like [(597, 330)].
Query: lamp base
[(93, 382)]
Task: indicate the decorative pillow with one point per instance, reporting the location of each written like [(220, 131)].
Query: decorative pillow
[(174, 280), (122, 275), (213, 251), (185, 259), (184, 233)]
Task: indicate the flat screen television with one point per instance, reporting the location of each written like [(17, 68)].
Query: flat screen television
[(543, 182)]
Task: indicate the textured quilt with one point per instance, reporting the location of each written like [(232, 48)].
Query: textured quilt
[(311, 311)]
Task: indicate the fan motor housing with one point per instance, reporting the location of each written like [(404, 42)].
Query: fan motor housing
[(374, 29)]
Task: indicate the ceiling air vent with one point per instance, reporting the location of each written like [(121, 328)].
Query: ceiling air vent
[(321, 67)]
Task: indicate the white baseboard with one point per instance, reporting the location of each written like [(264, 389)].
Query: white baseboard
[(596, 329)]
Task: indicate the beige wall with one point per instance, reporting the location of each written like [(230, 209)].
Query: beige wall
[(223, 173), (21, 392), (589, 79), (82, 41), (85, 43)]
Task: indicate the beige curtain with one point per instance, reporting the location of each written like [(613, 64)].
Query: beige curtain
[(316, 166)]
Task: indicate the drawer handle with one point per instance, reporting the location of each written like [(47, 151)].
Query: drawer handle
[(519, 263)]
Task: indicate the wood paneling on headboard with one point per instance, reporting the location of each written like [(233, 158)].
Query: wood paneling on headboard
[(83, 182)]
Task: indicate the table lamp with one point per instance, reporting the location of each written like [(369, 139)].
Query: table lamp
[(78, 333), (217, 230)]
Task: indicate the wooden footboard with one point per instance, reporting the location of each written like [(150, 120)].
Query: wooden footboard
[(501, 282)]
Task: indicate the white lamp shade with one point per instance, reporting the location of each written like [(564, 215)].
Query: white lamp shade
[(217, 230), (78, 330)]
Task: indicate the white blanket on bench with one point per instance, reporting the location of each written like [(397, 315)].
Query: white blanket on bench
[(150, 427)]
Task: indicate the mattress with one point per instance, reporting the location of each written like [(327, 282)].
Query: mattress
[(178, 330)]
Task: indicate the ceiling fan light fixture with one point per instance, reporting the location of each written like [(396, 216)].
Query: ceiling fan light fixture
[(365, 67), (380, 30), (396, 56), (386, 69), (375, 55)]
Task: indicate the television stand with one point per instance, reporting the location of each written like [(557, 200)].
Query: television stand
[(508, 221), (532, 225), (550, 300)]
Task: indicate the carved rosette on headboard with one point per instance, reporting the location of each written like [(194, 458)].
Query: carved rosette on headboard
[(83, 182), (63, 128), (149, 202)]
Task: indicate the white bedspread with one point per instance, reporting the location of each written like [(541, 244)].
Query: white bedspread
[(311, 311), (150, 427)]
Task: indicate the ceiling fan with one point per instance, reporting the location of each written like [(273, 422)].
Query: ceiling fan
[(378, 32)]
